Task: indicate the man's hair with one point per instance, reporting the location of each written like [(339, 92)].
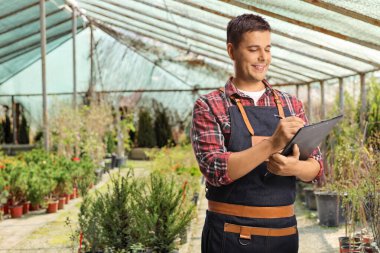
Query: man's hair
[(245, 23)]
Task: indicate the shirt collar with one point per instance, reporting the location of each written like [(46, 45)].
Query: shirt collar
[(230, 88)]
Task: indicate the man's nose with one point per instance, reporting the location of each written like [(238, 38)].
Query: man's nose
[(262, 55)]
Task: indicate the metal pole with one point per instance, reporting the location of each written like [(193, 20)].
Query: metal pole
[(43, 67), (341, 95), (363, 98), (323, 105), (309, 101), (14, 120), (74, 32), (297, 91)]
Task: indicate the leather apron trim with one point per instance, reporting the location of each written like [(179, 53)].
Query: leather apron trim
[(251, 211), (277, 101), (246, 232)]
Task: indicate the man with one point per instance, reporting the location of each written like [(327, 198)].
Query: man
[(237, 133)]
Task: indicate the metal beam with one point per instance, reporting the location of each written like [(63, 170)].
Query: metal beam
[(302, 24), (277, 32), (315, 57), (332, 50), (114, 34), (301, 65), (227, 61), (195, 30), (30, 21), (20, 10), (14, 120), (74, 32), (344, 11), (168, 34), (341, 95), (144, 32), (292, 71), (323, 105), (287, 75), (43, 67), (309, 102), (147, 14), (29, 47), (363, 100), (12, 42), (154, 37)]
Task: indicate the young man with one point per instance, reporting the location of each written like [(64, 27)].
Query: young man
[(237, 133)]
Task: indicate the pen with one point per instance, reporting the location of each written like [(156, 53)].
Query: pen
[(278, 116)]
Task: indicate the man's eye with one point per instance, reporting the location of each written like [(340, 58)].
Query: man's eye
[(267, 50), (253, 50)]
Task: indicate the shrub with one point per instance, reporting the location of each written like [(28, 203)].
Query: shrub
[(161, 213), (106, 219)]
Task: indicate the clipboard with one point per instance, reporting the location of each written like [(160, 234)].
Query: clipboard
[(309, 137)]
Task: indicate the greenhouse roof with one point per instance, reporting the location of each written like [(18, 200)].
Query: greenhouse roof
[(20, 32), (311, 40)]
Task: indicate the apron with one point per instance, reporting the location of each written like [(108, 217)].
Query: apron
[(255, 189)]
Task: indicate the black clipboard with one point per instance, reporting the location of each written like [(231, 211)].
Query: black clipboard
[(309, 137)]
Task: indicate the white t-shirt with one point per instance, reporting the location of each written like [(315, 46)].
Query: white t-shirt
[(255, 95)]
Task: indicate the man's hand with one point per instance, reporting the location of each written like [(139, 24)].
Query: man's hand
[(284, 165), (285, 130)]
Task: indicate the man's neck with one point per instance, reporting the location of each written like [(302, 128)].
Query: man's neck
[(248, 85)]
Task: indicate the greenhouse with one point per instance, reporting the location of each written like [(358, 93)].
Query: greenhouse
[(119, 133)]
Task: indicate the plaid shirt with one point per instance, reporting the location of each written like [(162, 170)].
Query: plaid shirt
[(211, 129)]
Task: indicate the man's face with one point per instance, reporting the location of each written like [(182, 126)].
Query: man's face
[(252, 56)]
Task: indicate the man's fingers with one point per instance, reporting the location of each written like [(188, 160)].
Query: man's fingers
[(277, 158), (296, 152), (293, 119)]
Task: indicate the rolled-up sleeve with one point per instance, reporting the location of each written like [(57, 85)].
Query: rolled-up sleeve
[(208, 143), (316, 154)]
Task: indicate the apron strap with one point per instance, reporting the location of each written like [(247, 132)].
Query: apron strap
[(277, 101)]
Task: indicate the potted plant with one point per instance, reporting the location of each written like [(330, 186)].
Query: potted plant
[(38, 186), (17, 180), (3, 194), (63, 185)]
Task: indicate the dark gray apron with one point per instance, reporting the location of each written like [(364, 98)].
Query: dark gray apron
[(254, 189)]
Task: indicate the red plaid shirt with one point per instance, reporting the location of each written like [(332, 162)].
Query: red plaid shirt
[(211, 129)]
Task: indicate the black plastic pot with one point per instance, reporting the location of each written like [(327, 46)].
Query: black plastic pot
[(330, 210), (310, 198), (114, 161), (120, 161), (195, 198)]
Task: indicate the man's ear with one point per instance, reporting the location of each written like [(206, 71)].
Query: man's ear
[(230, 51)]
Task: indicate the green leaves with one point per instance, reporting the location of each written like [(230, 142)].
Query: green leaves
[(152, 212)]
